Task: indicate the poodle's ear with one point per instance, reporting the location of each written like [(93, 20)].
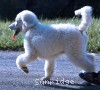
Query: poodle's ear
[(29, 19)]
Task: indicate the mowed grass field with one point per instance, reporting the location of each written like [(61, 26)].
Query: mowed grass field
[(6, 42)]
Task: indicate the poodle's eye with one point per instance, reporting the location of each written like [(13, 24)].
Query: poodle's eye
[(19, 21), (18, 24)]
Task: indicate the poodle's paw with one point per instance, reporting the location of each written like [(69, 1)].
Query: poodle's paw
[(25, 69), (45, 78)]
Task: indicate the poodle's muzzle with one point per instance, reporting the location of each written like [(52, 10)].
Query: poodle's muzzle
[(13, 27)]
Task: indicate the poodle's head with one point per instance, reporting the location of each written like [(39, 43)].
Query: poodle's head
[(23, 22)]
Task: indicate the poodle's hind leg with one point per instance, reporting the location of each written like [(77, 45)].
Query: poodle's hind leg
[(24, 59), (82, 60), (48, 68)]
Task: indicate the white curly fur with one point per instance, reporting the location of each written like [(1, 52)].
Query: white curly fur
[(49, 41), (86, 17)]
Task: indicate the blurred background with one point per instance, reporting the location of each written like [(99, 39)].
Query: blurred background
[(46, 8), (48, 11)]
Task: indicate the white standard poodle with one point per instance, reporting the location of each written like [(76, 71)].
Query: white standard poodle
[(50, 41)]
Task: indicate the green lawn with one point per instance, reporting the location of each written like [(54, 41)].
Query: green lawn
[(6, 43)]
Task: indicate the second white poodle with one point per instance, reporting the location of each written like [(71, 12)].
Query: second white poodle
[(50, 41)]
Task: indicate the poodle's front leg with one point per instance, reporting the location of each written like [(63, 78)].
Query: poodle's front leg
[(48, 68), (24, 59)]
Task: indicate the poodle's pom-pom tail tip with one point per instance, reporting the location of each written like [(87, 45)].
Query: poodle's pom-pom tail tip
[(86, 13)]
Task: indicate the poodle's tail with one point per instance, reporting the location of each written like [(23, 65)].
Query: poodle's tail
[(86, 13)]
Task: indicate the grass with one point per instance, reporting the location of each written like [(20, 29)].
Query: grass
[(6, 43), (94, 36)]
